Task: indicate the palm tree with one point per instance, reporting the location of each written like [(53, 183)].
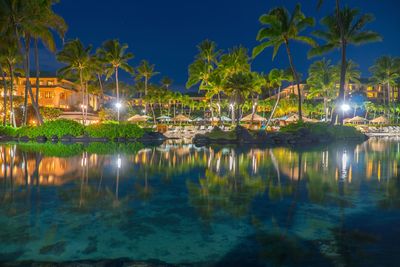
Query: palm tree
[(145, 71), (276, 77), (281, 28), (115, 57), (47, 22), (353, 75), (26, 18), (166, 82), (343, 28), (9, 58), (322, 79), (78, 60), (3, 77), (385, 72), (201, 69), (238, 87)]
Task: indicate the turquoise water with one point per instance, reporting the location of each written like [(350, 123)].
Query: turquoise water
[(178, 204)]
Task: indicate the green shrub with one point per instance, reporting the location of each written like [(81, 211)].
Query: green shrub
[(58, 128), (113, 130), (217, 133), (336, 132), (8, 131)]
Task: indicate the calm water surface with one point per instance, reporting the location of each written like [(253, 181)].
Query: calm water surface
[(328, 206)]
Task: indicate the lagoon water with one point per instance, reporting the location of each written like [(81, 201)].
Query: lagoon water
[(336, 205)]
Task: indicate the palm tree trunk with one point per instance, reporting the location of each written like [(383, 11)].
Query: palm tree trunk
[(152, 111), (117, 89), (83, 96), (297, 80), (28, 87), (27, 80), (12, 113), (326, 108), (3, 76), (342, 79), (275, 106), (101, 90), (37, 69)]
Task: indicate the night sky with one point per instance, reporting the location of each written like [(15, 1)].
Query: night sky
[(166, 32)]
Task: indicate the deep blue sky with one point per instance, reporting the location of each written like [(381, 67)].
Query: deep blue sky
[(166, 32)]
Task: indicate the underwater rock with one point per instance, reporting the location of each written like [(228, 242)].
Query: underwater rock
[(56, 248)]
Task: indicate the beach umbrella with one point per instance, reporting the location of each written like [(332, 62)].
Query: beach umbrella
[(138, 118), (181, 118), (379, 120), (256, 118), (292, 118), (357, 120)]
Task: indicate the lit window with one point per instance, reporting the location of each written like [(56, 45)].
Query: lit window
[(48, 94)]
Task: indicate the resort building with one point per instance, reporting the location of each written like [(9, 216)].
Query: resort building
[(56, 93)]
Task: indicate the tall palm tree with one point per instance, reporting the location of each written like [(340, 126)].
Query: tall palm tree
[(322, 79), (238, 88), (47, 21), (3, 77), (115, 56), (276, 77), (344, 27), (201, 69), (385, 72), (166, 82), (77, 59), (24, 19), (282, 28), (145, 71), (9, 58)]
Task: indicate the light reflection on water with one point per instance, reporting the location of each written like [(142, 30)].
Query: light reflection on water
[(176, 203)]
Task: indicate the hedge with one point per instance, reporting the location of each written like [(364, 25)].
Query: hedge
[(113, 130), (49, 129), (336, 132), (64, 127), (8, 131)]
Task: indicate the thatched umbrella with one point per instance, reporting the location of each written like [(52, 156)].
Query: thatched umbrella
[(138, 118), (357, 120), (292, 118), (379, 120), (256, 118), (181, 118)]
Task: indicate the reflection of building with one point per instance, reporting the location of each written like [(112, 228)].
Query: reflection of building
[(24, 169), (56, 93)]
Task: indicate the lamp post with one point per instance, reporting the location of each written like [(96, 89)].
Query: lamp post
[(345, 107), (83, 107), (232, 107), (118, 105)]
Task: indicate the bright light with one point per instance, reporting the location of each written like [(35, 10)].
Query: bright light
[(345, 107), (119, 162), (118, 105)]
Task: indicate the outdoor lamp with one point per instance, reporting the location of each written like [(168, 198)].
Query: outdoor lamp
[(345, 107), (119, 162)]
